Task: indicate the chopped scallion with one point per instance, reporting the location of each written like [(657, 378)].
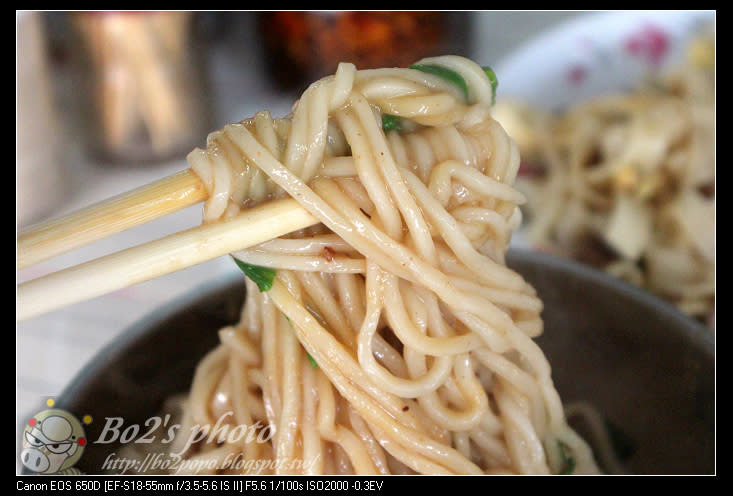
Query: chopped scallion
[(568, 466), (262, 276), (391, 123), (312, 361), (447, 74), (494, 81)]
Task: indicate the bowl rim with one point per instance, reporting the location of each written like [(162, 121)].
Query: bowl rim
[(696, 329), (130, 337)]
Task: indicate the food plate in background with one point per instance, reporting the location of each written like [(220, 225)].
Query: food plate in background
[(613, 113), (595, 54)]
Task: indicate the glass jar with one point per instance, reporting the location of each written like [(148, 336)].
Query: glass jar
[(143, 80), (301, 47)]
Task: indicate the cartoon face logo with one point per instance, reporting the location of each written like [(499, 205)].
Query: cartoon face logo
[(53, 441)]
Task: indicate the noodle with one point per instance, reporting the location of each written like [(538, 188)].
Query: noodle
[(392, 337), (626, 182)]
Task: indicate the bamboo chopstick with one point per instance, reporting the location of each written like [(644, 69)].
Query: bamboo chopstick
[(164, 256), (111, 216)]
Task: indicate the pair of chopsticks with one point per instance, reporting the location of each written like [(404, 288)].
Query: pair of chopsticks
[(146, 261)]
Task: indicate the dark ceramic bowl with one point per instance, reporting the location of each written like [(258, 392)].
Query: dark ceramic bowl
[(648, 369)]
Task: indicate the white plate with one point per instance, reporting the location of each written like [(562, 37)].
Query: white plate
[(596, 53)]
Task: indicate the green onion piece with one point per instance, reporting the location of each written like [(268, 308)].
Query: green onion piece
[(262, 276), (449, 75), (391, 123), (312, 361), (568, 459), (494, 81)]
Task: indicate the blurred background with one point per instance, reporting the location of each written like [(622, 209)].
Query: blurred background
[(109, 101)]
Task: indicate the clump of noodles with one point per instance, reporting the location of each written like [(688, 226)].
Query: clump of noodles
[(626, 182), (392, 337)]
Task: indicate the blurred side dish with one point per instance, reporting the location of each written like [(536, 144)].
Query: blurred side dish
[(626, 182)]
